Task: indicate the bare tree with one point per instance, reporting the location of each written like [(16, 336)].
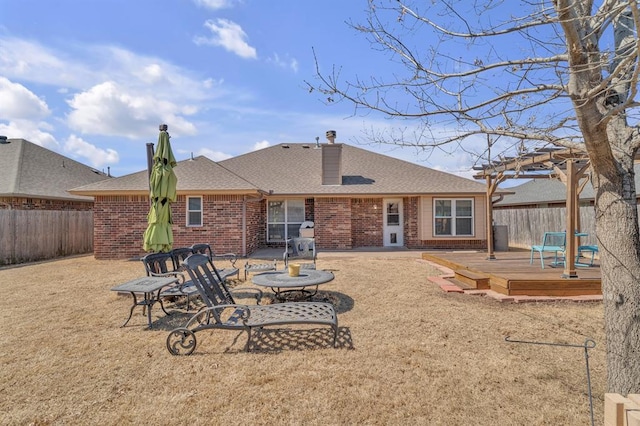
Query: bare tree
[(560, 72)]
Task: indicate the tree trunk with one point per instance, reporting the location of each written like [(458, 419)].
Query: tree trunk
[(617, 232)]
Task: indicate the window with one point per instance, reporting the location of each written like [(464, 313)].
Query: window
[(453, 217), (284, 218), (194, 211), (393, 214)]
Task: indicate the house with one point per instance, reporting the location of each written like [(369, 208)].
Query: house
[(548, 192), (40, 218), (354, 197), (35, 178)]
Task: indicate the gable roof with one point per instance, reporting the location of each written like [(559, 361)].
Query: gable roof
[(196, 176), (296, 169), (29, 170)]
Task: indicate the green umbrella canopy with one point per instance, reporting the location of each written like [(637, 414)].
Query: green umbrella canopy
[(158, 236)]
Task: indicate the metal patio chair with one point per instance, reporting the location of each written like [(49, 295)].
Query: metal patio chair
[(300, 249), (223, 313), (552, 242), (167, 265), (230, 268)]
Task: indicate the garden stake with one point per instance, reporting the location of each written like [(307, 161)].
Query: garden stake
[(588, 344)]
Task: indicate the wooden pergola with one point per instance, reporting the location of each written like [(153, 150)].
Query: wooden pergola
[(568, 165)]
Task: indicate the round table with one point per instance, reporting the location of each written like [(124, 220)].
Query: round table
[(281, 283)]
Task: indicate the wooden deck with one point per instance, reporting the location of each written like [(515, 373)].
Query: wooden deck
[(511, 274)]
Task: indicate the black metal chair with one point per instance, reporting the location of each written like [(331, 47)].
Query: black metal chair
[(164, 265), (231, 258), (223, 313)]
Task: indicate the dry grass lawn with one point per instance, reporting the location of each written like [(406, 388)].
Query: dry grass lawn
[(409, 353)]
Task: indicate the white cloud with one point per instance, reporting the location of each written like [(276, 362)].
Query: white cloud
[(36, 132), (97, 157), (29, 62), (261, 145), (230, 36), (287, 62), (18, 102), (213, 155), (215, 4), (109, 109)]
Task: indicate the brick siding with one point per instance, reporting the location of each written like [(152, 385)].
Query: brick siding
[(333, 223), (340, 224), (120, 222), (20, 203), (366, 222)]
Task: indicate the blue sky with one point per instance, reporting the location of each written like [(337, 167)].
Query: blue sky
[(93, 79)]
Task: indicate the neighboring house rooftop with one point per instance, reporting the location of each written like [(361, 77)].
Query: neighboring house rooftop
[(31, 171), (296, 169), (548, 191)]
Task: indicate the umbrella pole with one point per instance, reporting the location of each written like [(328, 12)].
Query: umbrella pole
[(149, 164)]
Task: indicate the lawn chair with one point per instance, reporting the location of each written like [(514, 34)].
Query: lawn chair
[(300, 249), (231, 258), (223, 313), (552, 242), (165, 265)]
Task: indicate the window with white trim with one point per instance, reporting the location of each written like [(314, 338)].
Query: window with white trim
[(284, 218), (453, 217), (194, 211)]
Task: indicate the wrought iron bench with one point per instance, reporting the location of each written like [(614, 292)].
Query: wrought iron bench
[(223, 313)]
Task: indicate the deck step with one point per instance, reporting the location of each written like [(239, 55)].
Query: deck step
[(472, 279)]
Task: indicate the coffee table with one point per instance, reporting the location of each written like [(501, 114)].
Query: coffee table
[(282, 284)]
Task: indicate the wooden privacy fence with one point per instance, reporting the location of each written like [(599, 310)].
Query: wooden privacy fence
[(29, 235), (527, 226)]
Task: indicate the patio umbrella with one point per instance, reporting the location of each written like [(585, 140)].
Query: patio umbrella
[(162, 184)]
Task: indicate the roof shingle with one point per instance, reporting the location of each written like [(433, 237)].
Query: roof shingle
[(29, 170)]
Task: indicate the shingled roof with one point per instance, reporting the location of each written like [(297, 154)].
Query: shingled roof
[(549, 191), (296, 169), (29, 170), (198, 175)]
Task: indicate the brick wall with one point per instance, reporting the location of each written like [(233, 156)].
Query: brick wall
[(256, 225), (221, 219), (20, 203), (340, 224), (366, 222), (118, 225), (333, 223), (411, 225), (120, 222)]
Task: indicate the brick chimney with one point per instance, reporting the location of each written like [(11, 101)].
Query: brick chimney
[(331, 161)]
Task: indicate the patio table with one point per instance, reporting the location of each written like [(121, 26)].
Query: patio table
[(281, 283), (150, 287)]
